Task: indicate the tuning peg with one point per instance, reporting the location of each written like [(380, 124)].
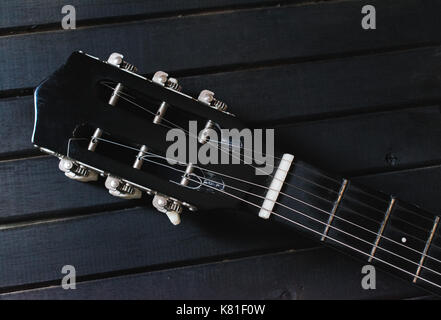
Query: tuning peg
[(121, 189), (207, 97), (170, 207), (75, 171), (163, 79), (94, 140), (204, 134), (139, 157), (117, 60)]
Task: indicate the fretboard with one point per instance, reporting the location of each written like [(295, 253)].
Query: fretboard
[(377, 228)]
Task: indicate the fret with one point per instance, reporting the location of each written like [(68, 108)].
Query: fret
[(405, 236), (426, 249), (355, 223), (401, 238), (310, 193), (334, 208), (432, 259), (381, 230)]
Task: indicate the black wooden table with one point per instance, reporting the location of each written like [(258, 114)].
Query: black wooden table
[(363, 103)]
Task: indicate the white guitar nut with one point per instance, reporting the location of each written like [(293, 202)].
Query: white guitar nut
[(275, 186)]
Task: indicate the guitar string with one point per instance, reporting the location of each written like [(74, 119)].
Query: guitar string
[(187, 132), (347, 197), (299, 212), (301, 201), (332, 239), (292, 174), (275, 157), (305, 227)]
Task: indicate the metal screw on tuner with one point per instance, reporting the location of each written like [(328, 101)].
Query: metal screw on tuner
[(76, 171), (121, 189), (116, 59), (163, 79)]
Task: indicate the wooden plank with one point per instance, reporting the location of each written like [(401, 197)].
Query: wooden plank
[(18, 13), (229, 38), (387, 140), (367, 142), (142, 238), (16, 125), (417, 186), (36, 186), (133, 238), (350, 85), (308, 274), (327, 88)]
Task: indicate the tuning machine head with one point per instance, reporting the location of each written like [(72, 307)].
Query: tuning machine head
[(171, 208), (207, 97), (76, 171), (116, 59), (121, 189)]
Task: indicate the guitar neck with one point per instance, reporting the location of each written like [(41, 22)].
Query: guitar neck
[(372, 226)]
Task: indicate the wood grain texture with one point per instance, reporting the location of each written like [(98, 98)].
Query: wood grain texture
[(324, 89), (229, 38), (132, 238), (367, 142), (373, 96), (385, 140), (142, 238), (309, 274), (19, 13), (417, 185), (37, 187)]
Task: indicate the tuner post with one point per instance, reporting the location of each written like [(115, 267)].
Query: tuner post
[(116, 94), (186, 177), (139, 157), (205, 133), (94, 140), (163, 79)]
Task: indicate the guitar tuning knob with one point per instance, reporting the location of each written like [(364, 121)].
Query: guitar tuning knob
[(207, 97), (121, 189), (116, 59), (163, 79), (170, 207), (75, 171)]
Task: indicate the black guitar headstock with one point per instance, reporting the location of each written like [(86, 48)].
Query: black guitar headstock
[(102, 119)]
